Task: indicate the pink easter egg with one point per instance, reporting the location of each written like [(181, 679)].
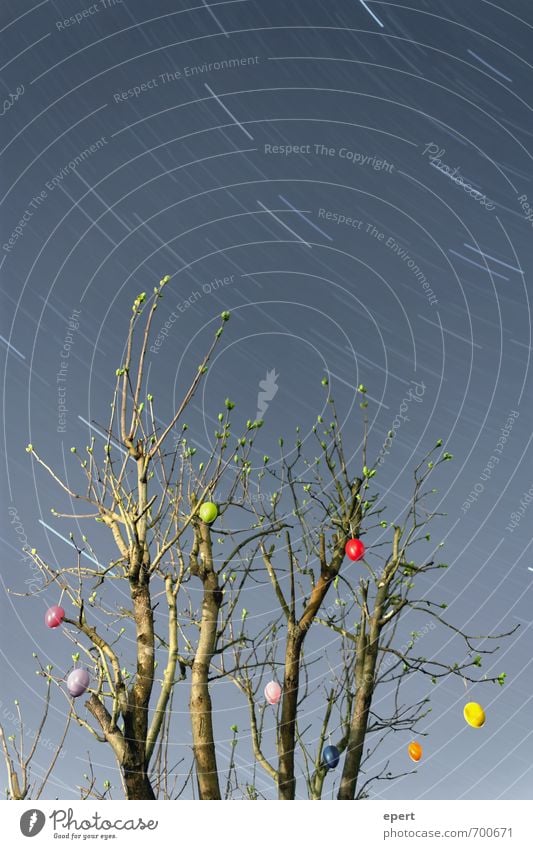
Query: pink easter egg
[(272, 692)]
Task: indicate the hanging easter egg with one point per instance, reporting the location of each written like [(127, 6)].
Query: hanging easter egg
[(474, 714), (272, 692), (331, 756), (54, 616), (77, 682), (208, 512), (355, 549), (414, 750)]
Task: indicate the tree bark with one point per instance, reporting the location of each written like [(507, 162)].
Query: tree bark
[(170, 670), (144, 680), (200, 705), (136, 781), (354, 751), (365, 669), (130, 745), (296, 634), (135, 764), (129, 750), (287, 729), (138, 786)]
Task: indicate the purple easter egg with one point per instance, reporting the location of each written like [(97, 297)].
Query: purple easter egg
[(77, 682)]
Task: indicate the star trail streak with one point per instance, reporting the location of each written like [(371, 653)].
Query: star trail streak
[(370, 12), (273, 214), (225, 108)]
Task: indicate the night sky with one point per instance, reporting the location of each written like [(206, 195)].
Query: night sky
[(353, 182)]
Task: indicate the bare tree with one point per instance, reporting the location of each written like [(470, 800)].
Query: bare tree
[(147, 493), (331, 499), (147, 490)]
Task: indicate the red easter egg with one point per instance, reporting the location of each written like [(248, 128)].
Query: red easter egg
[(54, 616), (355, 549)]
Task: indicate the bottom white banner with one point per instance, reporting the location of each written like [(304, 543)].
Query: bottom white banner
[(244, 824)]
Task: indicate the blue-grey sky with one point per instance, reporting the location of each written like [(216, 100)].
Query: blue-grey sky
[(353, 182)]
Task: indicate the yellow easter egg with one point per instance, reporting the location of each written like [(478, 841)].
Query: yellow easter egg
[(474, 714)]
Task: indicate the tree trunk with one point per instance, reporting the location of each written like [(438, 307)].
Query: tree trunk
[(200, 705), (354, 751), (144, 679), (129, 749), (136, 781), (135, 764), (295, 639), (365, 671), (287, 729)]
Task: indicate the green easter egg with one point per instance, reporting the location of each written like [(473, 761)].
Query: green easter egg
[(208, 512)]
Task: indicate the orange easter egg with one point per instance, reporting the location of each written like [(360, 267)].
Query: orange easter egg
[(414, 750)]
